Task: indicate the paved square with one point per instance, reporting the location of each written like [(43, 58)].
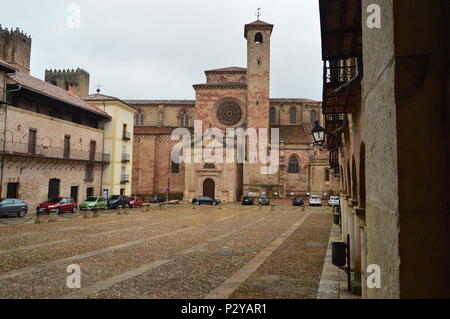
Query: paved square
[(229, 251)]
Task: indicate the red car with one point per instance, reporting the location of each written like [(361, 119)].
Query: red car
[(60, 204), (136, 201)]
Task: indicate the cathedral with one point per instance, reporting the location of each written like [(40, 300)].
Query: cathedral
[(231, 97)]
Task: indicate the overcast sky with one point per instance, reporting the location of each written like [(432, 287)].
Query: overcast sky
[(157, 49)]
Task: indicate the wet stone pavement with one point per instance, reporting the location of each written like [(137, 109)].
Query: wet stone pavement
[(183, 251)]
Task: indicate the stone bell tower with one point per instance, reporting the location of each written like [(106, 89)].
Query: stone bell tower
[(258, 35)]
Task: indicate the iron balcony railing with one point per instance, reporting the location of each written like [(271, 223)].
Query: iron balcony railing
[(39, 151), (126, 158), (334, 122), (125, 178), (126, 135), (337, 72)]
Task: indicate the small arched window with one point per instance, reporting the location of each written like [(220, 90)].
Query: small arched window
[(293, 167), (139, 119), (184, 119), (272, 115), (243, 79), (222, 79), (313, 117), (259, 38), (209, 165), (293, 115), (175, 169)]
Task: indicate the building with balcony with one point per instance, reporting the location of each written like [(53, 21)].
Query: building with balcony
[(118, 142), (51, 141)]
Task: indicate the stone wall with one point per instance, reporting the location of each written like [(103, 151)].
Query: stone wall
[(406, 84)]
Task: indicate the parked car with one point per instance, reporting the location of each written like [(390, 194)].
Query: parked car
[(205, 200), (13, 207), (297, 201), (157, 199), (264, 200), (114, 201), (136, 201), (247, 200), (94, 202), (334, 201), (60, 204), (315, 200)]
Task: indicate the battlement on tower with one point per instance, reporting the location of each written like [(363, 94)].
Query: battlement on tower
[(75, 81), (15, 48)]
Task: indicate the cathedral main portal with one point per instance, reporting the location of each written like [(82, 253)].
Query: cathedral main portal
[(209, 188)]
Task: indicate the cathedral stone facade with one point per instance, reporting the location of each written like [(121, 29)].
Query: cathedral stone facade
[(232, 97)]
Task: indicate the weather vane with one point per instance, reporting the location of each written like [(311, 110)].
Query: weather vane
[(98, 87), (258, 14)]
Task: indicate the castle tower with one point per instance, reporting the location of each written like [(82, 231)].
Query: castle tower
[(258, 35), (74, 81), (15, 48)]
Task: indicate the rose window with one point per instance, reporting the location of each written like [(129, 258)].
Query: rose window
[(229, 113)]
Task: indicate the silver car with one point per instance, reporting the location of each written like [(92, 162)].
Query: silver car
[(315, 200), (333, 201)]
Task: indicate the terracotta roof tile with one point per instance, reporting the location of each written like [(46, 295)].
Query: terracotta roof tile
[(152, 130), (161, 102), (221, 85), (102, 97), (7, 67), (294, 100), (293, 134), (257, 25), (52, 91), (232, 69)]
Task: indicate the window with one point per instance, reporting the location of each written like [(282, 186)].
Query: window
[(184, 119), (175, 168), (327, 174), (67, 146), (293, 165), (89, 173), (293, 115), (313, 117), (139, 120), (272, 115), (222, 79), (209, 165), (32, 141), (93, 147), (259, 38), (6, 202)]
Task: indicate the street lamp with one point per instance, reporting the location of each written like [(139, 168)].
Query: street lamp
[(318, 133)]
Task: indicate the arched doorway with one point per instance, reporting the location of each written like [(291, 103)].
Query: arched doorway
[(209, 188)]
